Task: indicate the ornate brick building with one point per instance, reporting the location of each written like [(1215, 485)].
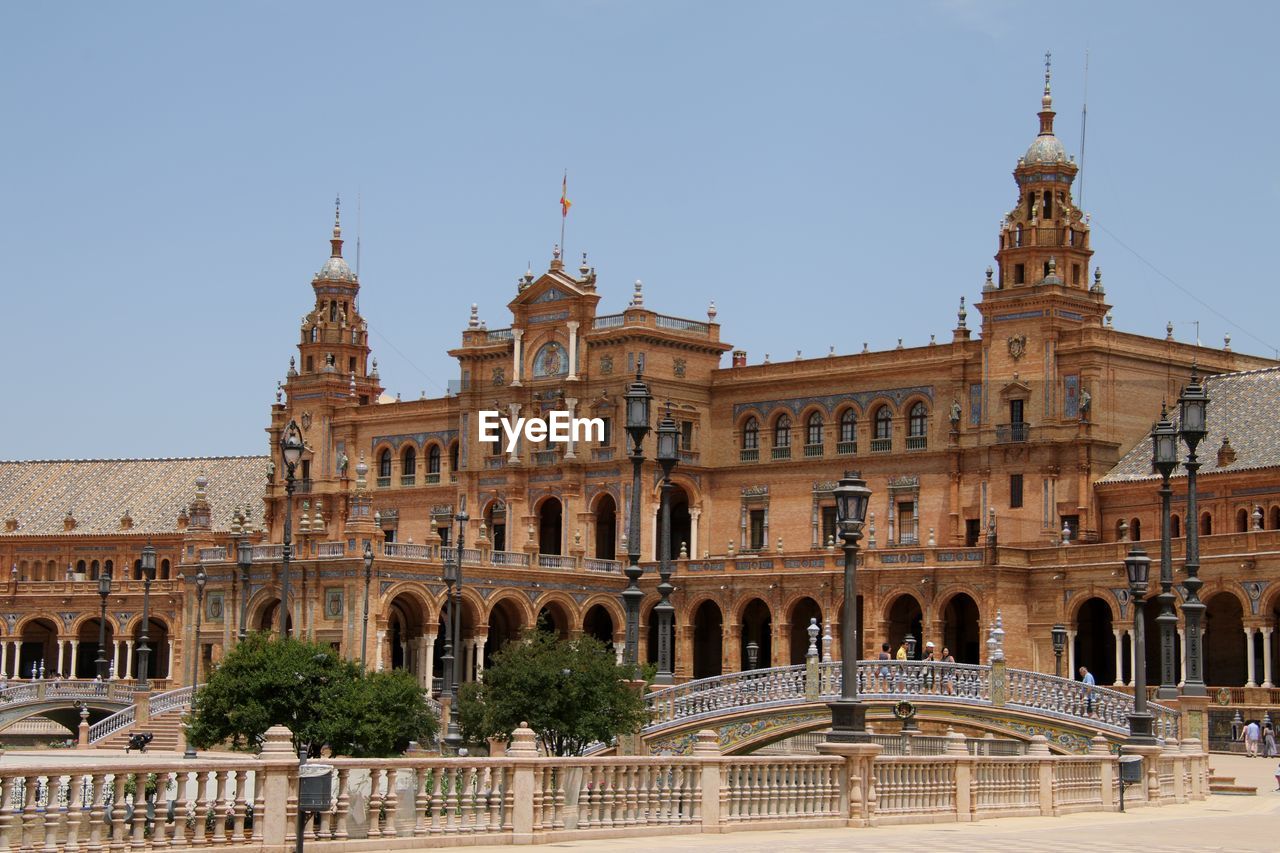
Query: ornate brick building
[(996, 457)]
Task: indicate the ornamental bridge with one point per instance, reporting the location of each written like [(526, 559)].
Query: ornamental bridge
[(108, 706), (752, 709)]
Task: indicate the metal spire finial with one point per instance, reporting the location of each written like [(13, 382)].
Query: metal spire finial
[(337, 216)]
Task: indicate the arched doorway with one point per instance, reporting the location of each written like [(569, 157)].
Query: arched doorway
[(506, 624), (553, 619), (606, 522), (598, 623), (1225, 663), (905, 618), (681, 523), (801, 612), (962, 629), (708, 640), (757, 627), (550, 524), (269, 621), (495, 518), (87, 656), (158, 643), (406, 629), (443, 634), (1095, 643), (39, 645)]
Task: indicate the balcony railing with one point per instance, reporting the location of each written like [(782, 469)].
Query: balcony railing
[(555, 561), (384, 482), (331, 550), (509, 558), (591, 564), (303, 487), (881, 445), (546, 457), (1013, 433), (846, 448), (679, 324), (499, 335), (917, 442), (750, 454), (608, 321), (601, 454), (213, 555), (813, 450), (406, 550), (495, 461), (433, 477), (408, 479), (267, 553), (688, 457), (782, 453)]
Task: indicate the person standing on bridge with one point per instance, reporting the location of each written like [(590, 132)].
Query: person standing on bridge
[(884, 667), (931, 664), (948, 672), (1089, 683)]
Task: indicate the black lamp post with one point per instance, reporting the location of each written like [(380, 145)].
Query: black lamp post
[(1059, 633), (910, 643), (104, 590), (1138, 568), (668, 456), (454, 735), (1164, 444), (637, 401), (144, 649), (201, 580), (753, 654), (848, 714), (368, 578), (244, 559), (1192, 428), (446, 659), (291, 448)]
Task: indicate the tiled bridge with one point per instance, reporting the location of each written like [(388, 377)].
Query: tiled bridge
[(751, 709)]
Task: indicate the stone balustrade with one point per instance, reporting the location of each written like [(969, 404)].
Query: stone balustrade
[(250, 803)]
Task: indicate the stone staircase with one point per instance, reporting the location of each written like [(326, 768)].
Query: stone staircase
[(1228, 785), (166, 731)]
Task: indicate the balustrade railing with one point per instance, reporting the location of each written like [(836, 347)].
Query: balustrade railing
[(556, 561), (608, 321), (679, 324), (330, 550), (509, 558), (170, 701), (213, 555), (406, 551), (768, 788), (592, 564), (113, 723), (267, 553)]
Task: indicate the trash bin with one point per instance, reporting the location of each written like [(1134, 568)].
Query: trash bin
[(314, 787), (1131, 769)]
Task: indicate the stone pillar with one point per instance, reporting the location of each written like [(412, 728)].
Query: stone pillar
[(168, 660), (573, 352), (128, 659), (4, 658), (480, 644), (707, 748), (377, 666), (1133, 658), (75, 657), (730, 647), (523, 746), (1071, 654), (1118, 633), (1267, 680), (279, 786), (695, 513), (429, 653), (571, 405), (513, 412), (517, 356), (61, 648), (115, 659), (1249, 656)]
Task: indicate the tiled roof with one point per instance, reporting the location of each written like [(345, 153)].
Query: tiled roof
[(97, 492), (1244, 407)]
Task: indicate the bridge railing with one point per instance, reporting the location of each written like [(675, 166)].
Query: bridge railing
[(891, 680), (108, 726), (173, 700), (49, 690)]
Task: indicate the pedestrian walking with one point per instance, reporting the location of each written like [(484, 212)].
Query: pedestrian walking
[(1089, 683), (1268, 741), (1252, 734)]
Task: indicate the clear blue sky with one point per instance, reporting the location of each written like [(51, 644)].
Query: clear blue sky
[(829, 173)]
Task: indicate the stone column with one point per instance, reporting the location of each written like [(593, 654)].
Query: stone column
[(115, 659), (128, 659), (168, 660), (4, 658), (517, 354), (513, 457), (377, 666), (480, 644), (1118, 633), (61, 648), (1266, 657), (1133, 659), (570, 404), (573, 350), (75, 657), (429, 642), (695, 513), (1250, 657)]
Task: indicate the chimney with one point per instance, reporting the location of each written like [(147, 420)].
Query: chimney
[(739, 358)]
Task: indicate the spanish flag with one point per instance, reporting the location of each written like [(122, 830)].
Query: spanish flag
[(565, 204)]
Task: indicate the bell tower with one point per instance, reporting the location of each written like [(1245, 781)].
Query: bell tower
[(1044, 246), (333, 345)]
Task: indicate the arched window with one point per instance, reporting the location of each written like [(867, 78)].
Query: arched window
[(433, 464), (408, 466), (1275, 518), (917, 420), (384, 467), (164, 569), (1175, 527), (882, 435), (1135, 529), (751, 434), (1017, 236), (1206, 524), (1242, 521), (848, 432), (813, 429), (782, 431)]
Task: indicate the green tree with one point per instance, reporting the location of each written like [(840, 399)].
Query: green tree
[(322, 698), (571, 692)]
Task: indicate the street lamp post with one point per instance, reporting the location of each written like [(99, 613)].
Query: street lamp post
[(1192, 427), (144, 649), (104, 590), (453, 737), (753, 654), (668, 456), (1137, 566), (364, 627), (244, 559), (201, 580), (291, 447), (1059, 633), (1164, 443), (848, 714), (910, 643), (637, 403)]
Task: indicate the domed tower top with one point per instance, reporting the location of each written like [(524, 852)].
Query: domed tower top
[(1045, 149), (335, 269)]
